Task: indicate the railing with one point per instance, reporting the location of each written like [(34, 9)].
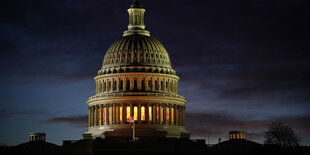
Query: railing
[(108, 95)]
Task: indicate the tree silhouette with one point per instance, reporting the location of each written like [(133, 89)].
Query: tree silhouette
[(282, 135)]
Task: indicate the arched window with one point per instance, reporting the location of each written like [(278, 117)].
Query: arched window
[(135, 111), (150, 113), (142, 113), (162, 85)]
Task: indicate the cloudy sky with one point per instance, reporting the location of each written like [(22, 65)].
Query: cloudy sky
[(243, 64)]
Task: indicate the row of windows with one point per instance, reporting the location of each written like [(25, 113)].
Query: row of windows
[(127, 70), (129, 56), (237, 136), (143, 114), (136, 85)]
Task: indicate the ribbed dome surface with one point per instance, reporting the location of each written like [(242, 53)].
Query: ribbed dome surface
[(136, 50)]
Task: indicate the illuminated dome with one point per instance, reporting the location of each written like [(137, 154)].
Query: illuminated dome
[(136, 50), (136, 80)]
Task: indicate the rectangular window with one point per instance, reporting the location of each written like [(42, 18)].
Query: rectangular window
[(104, 86), (142, 113), (157, 114), (121, 85), (127, 112), (135, 111), (142, 85), (120, 113), (172, 114), (156, 85), (150, 113), (99, 115), (128, 85), (150, 85), (103, 114), (167, 112), (135, 85), (109, 86), (108, 115), (115, 83), (161, 114)]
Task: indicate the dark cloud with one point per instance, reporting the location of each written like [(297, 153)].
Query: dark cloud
[(241, 55), (4, 114), (79, 121)]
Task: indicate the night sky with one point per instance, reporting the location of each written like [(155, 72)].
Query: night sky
[(242, 64)]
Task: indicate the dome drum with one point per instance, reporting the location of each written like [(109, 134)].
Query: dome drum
[(154, 116)]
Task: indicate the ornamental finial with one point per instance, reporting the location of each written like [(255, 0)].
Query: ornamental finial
[(136, 4)]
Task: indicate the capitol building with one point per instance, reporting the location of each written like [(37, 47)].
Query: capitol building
[(136, 80)]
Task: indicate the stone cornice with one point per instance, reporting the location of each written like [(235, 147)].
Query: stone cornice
[(136, 75)]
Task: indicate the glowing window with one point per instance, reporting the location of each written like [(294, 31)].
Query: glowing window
[(157, 113), (110, 114), (150, 113), (135, 110), (127, 112), (103, 115), (142, 113), (234, 136), (172, 114), (161, 114), (230, 136), (99, 116), (167, 112), (121, 113), (237, 136)]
